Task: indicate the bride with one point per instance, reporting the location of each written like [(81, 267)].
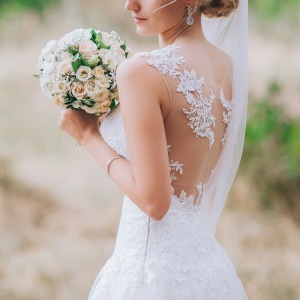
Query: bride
[(173, 147)]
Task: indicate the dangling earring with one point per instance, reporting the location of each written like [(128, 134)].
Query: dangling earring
[(190, 20)]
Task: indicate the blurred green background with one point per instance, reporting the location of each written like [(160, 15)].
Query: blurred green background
[(59, 213)]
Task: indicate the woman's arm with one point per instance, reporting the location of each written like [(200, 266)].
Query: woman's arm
[(146, 178)]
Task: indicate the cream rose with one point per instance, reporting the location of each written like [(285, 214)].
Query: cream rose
[(91, 87), (102, 81), (87, 48), (98, 71), (84, 73), (103, 106), (59, 100), (79, 90), (100, 95), (60, 87)]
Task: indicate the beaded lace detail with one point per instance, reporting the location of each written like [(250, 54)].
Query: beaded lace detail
[(167, 61), (200, 116), (227, 116)]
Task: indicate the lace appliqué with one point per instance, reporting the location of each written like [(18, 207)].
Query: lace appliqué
[(201, 119), (227, 116), (165, 60), (174, 166)]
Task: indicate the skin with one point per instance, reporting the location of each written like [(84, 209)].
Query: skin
[(146, 178)]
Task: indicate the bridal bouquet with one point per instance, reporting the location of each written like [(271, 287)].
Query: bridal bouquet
[(79, 70)]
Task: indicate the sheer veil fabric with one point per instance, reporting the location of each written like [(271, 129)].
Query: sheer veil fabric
[(231, 35)]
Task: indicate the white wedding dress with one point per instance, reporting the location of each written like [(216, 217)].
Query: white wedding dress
[(178, 257)]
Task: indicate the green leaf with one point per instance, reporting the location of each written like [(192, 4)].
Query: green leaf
[(94, 35), (76, 65), (123, 47), (37, 76), (99, 40), (73, 51), (88, 102)]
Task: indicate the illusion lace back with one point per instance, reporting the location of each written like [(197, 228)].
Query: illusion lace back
[(178, 257)]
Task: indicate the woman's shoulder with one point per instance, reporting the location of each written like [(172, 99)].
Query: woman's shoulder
[(136, 73)]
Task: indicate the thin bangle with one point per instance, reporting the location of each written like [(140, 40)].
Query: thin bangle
[(109, 163)]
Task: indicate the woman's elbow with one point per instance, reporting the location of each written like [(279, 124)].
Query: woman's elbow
[(157, 211)]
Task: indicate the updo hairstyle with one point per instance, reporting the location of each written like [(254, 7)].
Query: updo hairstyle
[(217, 8)]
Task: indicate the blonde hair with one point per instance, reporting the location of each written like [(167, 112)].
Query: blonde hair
[(217, 8)]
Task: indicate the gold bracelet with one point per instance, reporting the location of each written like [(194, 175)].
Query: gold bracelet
[(109, 163)]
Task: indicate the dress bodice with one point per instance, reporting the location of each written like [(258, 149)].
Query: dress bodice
[(196, 125)]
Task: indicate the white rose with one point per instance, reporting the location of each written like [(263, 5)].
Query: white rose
[(49, 63), (65, 56), (49, 48), (59, 100), (111, 61), (79, 90), (84, 73), (102, 81), (60, 87), (100, 95), (91, 87), (98, 71), (87, 48), (81, 34), (102, 53), (93, 61), (65, 67)]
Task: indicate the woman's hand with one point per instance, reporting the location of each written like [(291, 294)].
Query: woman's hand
[(79, 125)]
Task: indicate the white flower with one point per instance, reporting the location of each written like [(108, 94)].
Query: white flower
[(84, 73), (81, 34), (79, 90), (87, 48), (65, 56), (102, 81), (98, 71), (49, 63), (60, 87), (49, 48), (91, 87), (65, 67), (111, 61), (100, 95), (59, 100), (102, 53)]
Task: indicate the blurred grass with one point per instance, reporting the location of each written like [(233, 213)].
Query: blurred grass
[(271, 159)]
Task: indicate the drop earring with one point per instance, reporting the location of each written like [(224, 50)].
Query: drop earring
[(190, 20)]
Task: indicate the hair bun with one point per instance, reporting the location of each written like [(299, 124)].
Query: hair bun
[(218, 8)]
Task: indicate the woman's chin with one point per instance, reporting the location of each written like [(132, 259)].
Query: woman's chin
[(143, 31)]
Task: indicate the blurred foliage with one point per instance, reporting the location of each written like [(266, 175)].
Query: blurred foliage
[(271, 154), (22, 5), (273, 9)]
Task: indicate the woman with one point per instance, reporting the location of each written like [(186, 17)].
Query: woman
[(173, 147)]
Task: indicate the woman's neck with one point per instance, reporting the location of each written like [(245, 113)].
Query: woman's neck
[(182, 33)]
